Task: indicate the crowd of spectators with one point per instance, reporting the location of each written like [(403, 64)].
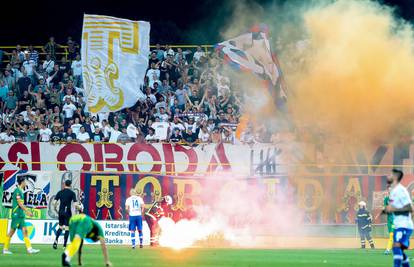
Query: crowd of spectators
[(187, 100)]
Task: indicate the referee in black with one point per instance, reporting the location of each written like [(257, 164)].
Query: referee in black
[(66, 197)]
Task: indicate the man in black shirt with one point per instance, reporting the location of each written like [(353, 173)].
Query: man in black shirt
[(56, 135), (66, 196), (23, 83), (176, 136), (97, 136), (189, 137)]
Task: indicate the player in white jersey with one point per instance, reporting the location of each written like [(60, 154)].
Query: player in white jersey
[(135, 208), (401, 206)]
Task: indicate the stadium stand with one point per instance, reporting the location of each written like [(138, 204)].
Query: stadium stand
[(42, 99)]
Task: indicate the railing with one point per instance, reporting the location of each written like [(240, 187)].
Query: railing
[(62, 51), (239, 169)]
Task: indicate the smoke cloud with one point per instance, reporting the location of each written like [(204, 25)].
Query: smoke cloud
[(349, 66), (235, 213), (356, 77)]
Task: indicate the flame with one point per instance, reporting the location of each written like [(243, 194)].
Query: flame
[(184, 233)]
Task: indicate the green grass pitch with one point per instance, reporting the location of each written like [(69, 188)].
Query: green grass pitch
[(194, 257)]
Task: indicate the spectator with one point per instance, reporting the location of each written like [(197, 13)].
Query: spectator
[(51, 47), (159, 52), (228, 136), (153, 74), (39, 96), (68, 110), (189, 137), (19, 52), (8, 79), (153, 59), (132, 132), (150, 96), (48, 64), (73, 48), (30, 66), (32, 134), (169, 52), (83, 136), (15, 60), (88, 125), (23, 83), (198, 54), (76, 126), (151, 137), (123, 137), (56, 136), (77, 71), (64, 67), (7, 136), (55, 95), (106, 130), (97, 135), (114, 134), (96, 123), (10, 101), (33, 54), (181, 99), (216, 136), (190, 125), (181, 55), (176, 136), (44, 133), (204, 135), (163, 117), (70, 136), (247, 136), (28, 114), (4, 90)]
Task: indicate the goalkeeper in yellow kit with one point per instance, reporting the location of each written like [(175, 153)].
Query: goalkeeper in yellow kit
[(82, 226)]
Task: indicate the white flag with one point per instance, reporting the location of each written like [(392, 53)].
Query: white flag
[(114, 61)]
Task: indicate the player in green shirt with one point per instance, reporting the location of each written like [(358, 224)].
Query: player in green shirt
[(19, 212), (82, 226), (390, 225)]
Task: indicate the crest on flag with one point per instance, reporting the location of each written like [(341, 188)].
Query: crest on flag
[(114, 60)]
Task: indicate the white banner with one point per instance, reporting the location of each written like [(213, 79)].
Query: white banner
[(44, 232), (144, 158), (114, 61)]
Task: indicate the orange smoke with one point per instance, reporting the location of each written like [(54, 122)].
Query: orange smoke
[(358, 77)]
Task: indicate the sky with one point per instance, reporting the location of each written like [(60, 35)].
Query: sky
[(173, 21)]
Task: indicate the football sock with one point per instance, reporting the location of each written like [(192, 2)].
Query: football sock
[(27, 242), (66, 236), (362, 243), (7, 243), (73, 247), (58, 233), (398, 256), (405, 261), (133, 238), (140, 237), (390, 241), (371, 243)]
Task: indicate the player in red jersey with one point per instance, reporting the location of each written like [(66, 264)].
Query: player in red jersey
[(155, 213)]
